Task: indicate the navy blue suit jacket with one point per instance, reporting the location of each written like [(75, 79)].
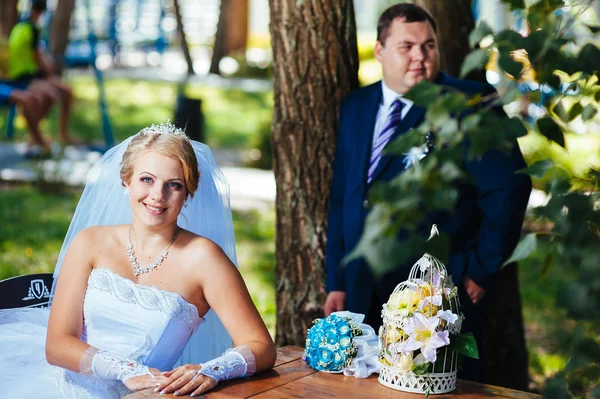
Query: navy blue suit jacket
[(484, 228)]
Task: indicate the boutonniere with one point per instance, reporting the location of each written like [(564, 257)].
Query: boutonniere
[(416, 154)]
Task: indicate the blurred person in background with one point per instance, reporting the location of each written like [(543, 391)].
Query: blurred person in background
[(30, 109), (29, 67)]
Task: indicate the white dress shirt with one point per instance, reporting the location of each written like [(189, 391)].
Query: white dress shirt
[(389, 96)]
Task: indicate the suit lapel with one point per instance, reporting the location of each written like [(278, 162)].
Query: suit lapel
[(411, 119), (365, 126)]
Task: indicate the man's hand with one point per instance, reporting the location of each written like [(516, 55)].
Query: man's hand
[(474, 291), (335, 302)]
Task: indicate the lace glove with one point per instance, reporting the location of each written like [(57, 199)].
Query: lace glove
[(236, 362), (106, 366)]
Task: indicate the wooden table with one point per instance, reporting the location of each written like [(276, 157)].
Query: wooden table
[(293, 378)]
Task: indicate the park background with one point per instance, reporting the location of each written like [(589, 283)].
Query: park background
[(143, 73)]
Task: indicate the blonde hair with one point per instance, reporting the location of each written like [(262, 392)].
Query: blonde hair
[(171, 145)]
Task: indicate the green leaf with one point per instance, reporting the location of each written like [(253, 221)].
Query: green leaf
[(560, 111), (557, 388), (508, 39), (465, 345), (549, 128), (378, 244), (575, 111), (538, 169), (593, 28), (548, 262), (588, 58), (509, 65), (421, 368), (481, 30), (424, 93), (515, 4), (525, 247), (475, 60), (588, 112), (536, 45), (597, 96), (404, 142), (470, 122), (514, 127), (554, 82)]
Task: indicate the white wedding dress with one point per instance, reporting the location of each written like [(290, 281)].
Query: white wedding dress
[(142, 323)]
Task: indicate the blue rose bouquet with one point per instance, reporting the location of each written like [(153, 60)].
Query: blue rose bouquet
[(334, 343)]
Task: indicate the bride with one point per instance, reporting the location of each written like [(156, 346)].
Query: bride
[(129, 297)]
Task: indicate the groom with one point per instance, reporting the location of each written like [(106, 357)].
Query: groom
[(486, 224)]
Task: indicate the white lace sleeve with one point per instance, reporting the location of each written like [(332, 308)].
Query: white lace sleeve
[(106, 366), (85, 363), (236, 362)]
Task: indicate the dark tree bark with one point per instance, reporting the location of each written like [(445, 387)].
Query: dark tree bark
[(8, 17), (184, 44), (315, 65), (232, 31), (505, 350), (59, 32), (455, 22)]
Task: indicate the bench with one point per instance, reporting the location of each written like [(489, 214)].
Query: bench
[(26, 291)]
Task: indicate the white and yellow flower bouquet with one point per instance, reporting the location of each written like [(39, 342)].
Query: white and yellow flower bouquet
[(420, 337)]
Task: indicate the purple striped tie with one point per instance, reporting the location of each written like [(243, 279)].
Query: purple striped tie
[(384, 136)]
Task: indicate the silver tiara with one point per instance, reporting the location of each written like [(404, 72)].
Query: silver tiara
[(164, 128)]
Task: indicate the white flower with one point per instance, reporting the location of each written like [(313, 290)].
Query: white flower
[(435, 300), (413, 156), (422, 335), (404, 362), (448, 316)]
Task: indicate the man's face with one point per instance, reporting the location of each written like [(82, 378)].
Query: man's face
[(408, 55)]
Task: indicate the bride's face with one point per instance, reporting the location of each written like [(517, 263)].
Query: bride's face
[(157, 189)]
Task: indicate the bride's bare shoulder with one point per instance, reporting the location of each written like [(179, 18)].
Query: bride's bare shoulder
[(101, 236), (201, 249)]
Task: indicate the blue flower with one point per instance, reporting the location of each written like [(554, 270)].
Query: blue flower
[(339, 359), (345, 342), (325, 355), (344, 329), (332, 337)]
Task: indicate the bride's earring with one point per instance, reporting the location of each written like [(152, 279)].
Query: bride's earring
[(185, 203), (126, 192)]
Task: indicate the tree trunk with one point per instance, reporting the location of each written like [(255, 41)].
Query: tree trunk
[(59, 32), (232, 31), (8, 17), (237, 26), (184, 44), (315, 65), (455, 22), (505, 349)]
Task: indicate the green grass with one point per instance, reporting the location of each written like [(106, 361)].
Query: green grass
[(232, 116), (548, 330), (34, 224)]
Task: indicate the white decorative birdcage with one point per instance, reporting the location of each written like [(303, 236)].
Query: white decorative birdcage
[(419, 319)]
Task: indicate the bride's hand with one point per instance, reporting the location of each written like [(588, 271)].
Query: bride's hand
[(145, 381), (186, 379)]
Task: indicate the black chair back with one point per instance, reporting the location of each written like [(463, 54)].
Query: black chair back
[(28, 291)]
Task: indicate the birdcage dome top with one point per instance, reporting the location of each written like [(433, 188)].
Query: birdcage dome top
[(428, 291)]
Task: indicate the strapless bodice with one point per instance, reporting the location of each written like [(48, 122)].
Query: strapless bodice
[(142, 323)]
